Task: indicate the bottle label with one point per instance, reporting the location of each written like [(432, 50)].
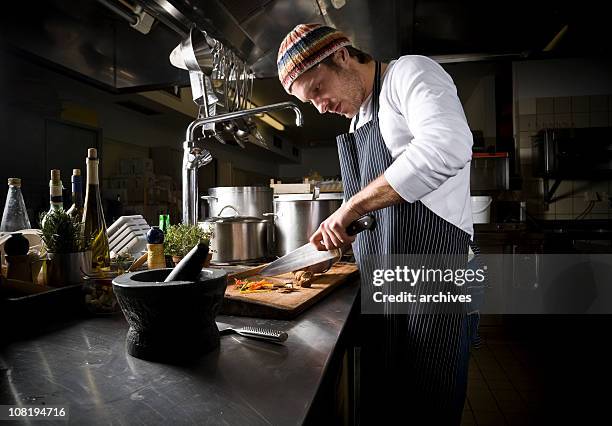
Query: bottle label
[(92, 172), (155, 257)]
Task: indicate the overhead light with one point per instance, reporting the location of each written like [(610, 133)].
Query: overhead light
[(268, 119)]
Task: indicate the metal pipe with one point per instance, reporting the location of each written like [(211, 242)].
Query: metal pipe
[(194, 157), (299, 120), (120, 10)]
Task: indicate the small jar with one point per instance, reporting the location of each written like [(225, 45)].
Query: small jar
[(99, 296)]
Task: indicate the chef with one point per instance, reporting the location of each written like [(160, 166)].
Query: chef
[(406, 160)]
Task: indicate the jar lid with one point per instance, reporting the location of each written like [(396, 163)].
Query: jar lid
[(14, 181)]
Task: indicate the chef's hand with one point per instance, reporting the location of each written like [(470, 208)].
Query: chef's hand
[(332, 232)]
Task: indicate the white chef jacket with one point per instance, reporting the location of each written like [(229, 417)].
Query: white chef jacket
[(423, 124)]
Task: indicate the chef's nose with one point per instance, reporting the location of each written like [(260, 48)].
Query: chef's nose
[(320, 105)]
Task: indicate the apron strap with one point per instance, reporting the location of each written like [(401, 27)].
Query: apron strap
[(376, 90)]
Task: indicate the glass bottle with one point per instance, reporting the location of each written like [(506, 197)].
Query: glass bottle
[(55, 193), (76, 210), (15, 216), (94, 226), (164, 222)]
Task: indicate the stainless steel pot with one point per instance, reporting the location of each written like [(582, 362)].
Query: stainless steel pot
[(237, 238), (247, 200), (253, 201), (297, 217)]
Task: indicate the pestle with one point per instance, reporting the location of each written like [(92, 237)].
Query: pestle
[(190, 267)]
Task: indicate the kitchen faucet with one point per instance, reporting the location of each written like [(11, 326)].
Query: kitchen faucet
[(196, 156)]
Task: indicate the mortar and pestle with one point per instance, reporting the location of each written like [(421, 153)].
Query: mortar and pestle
[(171, 312)]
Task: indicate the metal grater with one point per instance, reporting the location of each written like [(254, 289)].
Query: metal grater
[(258, 333)]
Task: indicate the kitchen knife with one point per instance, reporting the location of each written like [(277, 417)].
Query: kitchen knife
[(308, 255)]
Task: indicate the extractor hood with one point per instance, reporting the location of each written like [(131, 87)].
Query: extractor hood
[(472, 30), (89, 41), (94, 39)]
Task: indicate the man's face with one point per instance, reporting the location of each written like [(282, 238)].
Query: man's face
[(334, 89)]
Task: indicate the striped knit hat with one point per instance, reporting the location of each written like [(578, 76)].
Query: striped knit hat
[(304, 47)]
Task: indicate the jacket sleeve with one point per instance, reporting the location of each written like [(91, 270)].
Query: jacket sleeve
[(426, 97)]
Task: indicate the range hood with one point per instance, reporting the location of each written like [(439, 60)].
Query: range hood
[(454, 31), (95, 39), (88, 40)]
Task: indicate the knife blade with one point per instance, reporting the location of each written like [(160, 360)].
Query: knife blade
[(308, 255)]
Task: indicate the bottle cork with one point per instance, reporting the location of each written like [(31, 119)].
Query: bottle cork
[(92, 153), (14, 181), (55, 175), (76, 172)]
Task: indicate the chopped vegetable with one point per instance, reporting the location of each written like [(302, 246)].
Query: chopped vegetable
[(246, 286)]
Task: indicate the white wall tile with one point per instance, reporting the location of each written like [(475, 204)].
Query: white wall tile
[(598, 103), (599, 119), (527, 123), (526, 155), (562, 104), (563, 121), (580, 104), (580, 119), (525, 140), (545, 121), (527, 106), (545, 105)]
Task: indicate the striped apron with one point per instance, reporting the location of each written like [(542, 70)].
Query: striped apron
[(413, 367)]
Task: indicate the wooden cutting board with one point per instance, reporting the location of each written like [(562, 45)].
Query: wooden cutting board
[(278, 305)]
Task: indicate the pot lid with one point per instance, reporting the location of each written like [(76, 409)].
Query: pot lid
[(237, 189), (233, 219)]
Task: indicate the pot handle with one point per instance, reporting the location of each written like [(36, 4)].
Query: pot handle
[(209, 197), (270, 214), (230, 206)]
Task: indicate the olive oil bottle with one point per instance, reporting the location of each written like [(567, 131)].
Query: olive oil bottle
[(93, 223), (55, 193)]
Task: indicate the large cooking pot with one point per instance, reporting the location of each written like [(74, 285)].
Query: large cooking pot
[(297, 217), (247, 200), (237, 238), (253, 201)]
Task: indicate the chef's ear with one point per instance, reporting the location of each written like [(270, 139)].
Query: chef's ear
[(342, 56)]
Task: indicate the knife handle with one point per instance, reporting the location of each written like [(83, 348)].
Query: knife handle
[(366, 222)]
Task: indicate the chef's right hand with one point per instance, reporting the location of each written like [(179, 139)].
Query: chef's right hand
[(332, 232)]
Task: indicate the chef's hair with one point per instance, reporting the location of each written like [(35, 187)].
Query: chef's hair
[(361, 56)]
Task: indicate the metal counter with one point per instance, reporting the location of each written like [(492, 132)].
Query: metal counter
[(246, 382)]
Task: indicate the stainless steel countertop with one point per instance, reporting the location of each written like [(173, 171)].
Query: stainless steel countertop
[(84, 366)]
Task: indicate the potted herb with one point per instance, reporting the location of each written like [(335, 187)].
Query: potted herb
[(180, 239), (68, 253)]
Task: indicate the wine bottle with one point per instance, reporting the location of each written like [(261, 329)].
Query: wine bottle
[(94, 227), (55, 193), (76, 209), (190, 267)]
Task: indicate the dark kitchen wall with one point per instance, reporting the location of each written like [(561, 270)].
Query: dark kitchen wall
[(319, 159), (562, 93), (475, 82), (38, 104)]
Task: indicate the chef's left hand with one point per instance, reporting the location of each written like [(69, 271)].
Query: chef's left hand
[(332, 232)]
